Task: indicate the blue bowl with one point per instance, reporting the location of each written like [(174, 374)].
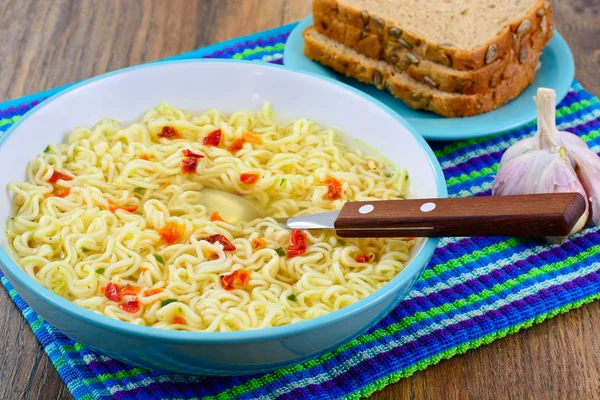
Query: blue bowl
[(226, 85)]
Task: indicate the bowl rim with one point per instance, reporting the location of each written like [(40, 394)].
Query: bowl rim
[(127, 328)]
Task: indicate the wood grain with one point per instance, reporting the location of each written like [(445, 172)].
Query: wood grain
[(50, 43)]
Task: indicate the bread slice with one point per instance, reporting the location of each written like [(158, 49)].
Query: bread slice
[(441, 76), (461, 34), (383, 75)]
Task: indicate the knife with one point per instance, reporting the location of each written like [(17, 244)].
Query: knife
[(523, 215)]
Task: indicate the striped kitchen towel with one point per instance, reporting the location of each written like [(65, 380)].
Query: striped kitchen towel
[(473, 292)]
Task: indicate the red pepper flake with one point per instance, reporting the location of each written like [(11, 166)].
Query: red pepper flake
[(334, 189), (243, 277), (239, 277), (211, 255), (132, 306), (189, 164), (251, 137), (364, 258), (227, 245), (171, 232), (129, 290), (237, 145), (215, 217), (248, 179), (63, 193), (169, 132), (144, 157), (111, 291), (114, 293), (143, 269), (165, 185), (409, 238), (212, 139), (152, 292), (258, 244), (227, 280), (57, 176), (114, 207), (59, 193), (178, 320), (191, 154), (297, 245)]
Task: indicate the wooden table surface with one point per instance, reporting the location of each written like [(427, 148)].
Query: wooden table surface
[(44, 44)]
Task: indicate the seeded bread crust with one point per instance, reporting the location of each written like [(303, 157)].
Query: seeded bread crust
[(417, 95), (442, 53), (439, 76)]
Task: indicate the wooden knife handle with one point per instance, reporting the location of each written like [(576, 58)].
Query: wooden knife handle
[(524, 215)]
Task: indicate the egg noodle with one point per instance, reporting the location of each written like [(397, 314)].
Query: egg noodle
[(112, 222)]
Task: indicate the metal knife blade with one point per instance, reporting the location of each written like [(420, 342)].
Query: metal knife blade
[(324, 220), (327, 220)]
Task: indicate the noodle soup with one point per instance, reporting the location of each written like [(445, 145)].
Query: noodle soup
[(112, 220)]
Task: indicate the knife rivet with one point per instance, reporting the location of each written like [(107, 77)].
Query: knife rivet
[(367, 208), (428, 207)]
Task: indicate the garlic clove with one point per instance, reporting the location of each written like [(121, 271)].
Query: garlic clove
[(587, 167), (589, 179), (512, 177), (519, 148), (573, 142)]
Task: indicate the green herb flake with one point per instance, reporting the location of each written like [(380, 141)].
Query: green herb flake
[(100, 270), (282, 181), (406, 177), (47, 149), (12, 218), (166, 301), (159, 258), (342, 242), (139, 190), (389, 175), (280, 251), (292, 297)]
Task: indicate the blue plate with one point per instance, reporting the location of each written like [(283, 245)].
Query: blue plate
[(557, 72)]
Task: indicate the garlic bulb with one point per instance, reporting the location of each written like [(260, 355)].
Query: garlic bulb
[(551, 161)]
